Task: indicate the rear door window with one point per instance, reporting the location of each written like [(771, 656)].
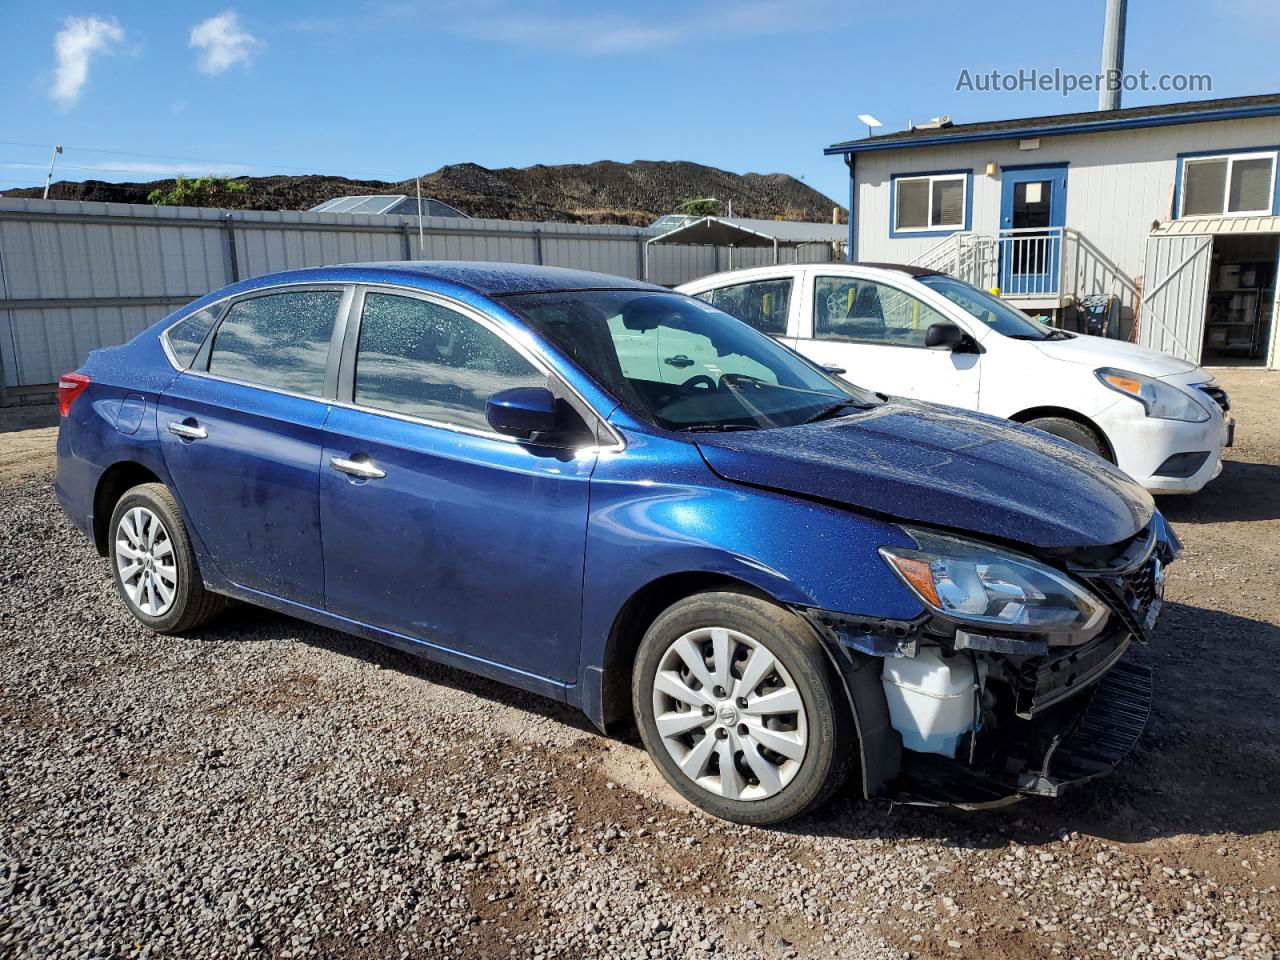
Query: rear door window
[(763, 304), (277, 340)]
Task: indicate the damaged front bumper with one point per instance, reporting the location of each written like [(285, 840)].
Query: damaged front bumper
[(1111, 717), (1045, 718)]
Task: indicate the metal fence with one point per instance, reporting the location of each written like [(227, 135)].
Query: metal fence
[(75, 276)]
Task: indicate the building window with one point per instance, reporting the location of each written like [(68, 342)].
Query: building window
[(1236, 184), (934, 202)]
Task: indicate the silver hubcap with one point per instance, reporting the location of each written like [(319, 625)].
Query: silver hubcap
[(145, 562), (729, 714)]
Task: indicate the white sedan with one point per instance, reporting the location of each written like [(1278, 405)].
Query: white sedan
[(922, 334)]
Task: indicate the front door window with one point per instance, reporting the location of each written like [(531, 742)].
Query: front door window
[(865, 311)]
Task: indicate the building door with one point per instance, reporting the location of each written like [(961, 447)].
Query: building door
[(1033, 209), (1175, 291)]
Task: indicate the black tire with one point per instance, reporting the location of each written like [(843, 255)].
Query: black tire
[(192, 605), (830, 747), (1073, 431)]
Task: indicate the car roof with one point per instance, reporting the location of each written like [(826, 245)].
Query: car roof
[(835, 266), (487, 278)]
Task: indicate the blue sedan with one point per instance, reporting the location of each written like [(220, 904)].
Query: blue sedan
[(624, 499)]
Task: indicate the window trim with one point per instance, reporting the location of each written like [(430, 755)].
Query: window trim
[(344, 393), (346, 329), (932, 230), (813, 313), (1231, 156), (219, 309)]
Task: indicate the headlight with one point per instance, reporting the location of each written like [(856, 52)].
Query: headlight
[(1161, 401), (977, 584)]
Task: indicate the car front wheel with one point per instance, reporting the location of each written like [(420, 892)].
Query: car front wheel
[(738, 707), (153, 564), (1076, 433)]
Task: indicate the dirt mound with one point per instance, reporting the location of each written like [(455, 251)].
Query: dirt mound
[(602, 192)]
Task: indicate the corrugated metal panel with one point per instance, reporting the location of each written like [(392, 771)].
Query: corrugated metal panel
[(1175, 295), (77, 275)]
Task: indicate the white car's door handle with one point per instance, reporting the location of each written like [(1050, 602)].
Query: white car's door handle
[(186, 431), (834, 368), (364, 469)]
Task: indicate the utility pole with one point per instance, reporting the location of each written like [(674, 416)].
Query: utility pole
[(421, 248), (49, 179), (1112, 55)]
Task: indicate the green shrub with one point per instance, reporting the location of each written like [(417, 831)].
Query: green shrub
[(202, 192)]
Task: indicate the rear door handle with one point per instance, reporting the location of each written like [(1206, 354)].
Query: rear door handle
[(364, 469), (679, 360), (187, 431), (833, 368)]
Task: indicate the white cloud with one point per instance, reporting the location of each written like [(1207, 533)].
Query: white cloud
[(591, 35), (222, 43), (700, 21), (79, 41)]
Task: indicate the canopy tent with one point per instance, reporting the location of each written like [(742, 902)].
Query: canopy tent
[(738, 232)]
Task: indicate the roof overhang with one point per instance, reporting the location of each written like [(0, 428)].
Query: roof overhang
[(1214, 226), (722, 232), (1051, 129)]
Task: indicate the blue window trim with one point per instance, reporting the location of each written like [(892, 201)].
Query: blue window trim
[(895, 233), (1176, 213)]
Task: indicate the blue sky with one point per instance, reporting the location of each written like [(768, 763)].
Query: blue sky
[(388, 89)]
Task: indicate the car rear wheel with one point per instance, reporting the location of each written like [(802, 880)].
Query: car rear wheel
[(153, 564), (1077, 433), (738, 707)]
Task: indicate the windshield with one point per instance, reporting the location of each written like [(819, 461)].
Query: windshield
[(684, 365), (991, 310)]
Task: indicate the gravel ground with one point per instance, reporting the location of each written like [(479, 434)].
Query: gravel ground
[(271, 789)]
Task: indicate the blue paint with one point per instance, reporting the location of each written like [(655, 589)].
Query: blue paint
[(1039, 271), (132, 409), (471, 542), (250, 486), (895, 233), (1275, 191), (515, 559)]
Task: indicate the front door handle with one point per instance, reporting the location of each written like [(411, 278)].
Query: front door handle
[(834, 368), (679, 360), (187, 431), (364, 469)]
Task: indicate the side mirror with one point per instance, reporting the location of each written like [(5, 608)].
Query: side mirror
[(522, 411), (943, 335)]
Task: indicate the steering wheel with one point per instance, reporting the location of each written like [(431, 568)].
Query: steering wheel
[(701, 382), (837, 304)]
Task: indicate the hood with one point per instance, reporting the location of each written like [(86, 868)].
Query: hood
[(1101, 352), (941, 466)]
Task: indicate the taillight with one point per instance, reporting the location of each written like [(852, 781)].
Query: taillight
[(70, 386)]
